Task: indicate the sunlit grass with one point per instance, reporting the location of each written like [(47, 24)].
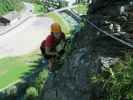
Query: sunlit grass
[(12, 68)]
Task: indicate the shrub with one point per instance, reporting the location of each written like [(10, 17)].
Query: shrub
[(9, 5), (12, 91), (116, 81), (31, 93), (39, 9), (40, 80)]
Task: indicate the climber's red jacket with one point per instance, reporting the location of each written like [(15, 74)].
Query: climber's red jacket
[(51, 41)]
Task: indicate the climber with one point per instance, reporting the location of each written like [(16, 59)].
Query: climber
[(53, 47)]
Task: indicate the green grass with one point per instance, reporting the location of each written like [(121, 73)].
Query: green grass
[(12, 68), (57, 18), (81, 8)]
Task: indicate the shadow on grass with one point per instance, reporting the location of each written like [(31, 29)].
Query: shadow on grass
[(36, 67), (27, 78), (34, 62)]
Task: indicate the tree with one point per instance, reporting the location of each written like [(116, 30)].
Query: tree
[(9, 5)]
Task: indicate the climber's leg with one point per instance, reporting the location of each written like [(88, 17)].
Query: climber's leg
[(51, 64)]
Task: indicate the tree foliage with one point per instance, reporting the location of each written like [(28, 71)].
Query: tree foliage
[(9, 5)]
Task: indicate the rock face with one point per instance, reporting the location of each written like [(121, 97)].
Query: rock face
[(114, 16), (90, 53)]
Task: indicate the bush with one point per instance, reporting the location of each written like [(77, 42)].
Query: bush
[(9, 5), (31, 93), (12, 91), (116, 81), (39, 9), (81, 9), (40, 80)]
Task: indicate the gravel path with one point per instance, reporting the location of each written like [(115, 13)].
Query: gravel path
[(25, 38)]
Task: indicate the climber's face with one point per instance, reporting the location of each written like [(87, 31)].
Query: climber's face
[(57, 35), (56, 30)]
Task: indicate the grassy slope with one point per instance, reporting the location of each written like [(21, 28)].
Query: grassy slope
[(11, 69)]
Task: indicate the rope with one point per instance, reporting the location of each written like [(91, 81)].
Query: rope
[(106, 33)]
